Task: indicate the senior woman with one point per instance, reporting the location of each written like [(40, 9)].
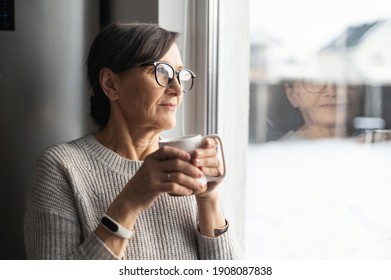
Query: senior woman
[(326, 109), (105, 195)]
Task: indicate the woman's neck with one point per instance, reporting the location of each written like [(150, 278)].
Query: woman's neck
[(132, 144), (316, 132)]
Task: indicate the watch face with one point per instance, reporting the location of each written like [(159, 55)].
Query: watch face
[(109, 224)]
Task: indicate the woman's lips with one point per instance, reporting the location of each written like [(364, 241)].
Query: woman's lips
[(334, 105), (168, 106)]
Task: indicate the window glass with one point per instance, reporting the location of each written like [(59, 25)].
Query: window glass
[(319, 152)]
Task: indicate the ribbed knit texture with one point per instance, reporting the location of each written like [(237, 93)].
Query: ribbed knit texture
[(73, 185)]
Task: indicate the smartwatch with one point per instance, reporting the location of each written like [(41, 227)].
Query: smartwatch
[(115, 228)]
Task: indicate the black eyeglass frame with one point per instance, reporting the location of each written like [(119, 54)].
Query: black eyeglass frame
[(322, 85), (176, 73)]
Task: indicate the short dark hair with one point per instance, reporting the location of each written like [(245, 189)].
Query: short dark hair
[(119, 47)]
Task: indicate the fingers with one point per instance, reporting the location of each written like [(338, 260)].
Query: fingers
[(206, 156), (175, 186), (210, 143), (168, 152), (209, 149), (212, 172), (206, 162), (178, 165), (178, 175), (182, 172), (181, 184)]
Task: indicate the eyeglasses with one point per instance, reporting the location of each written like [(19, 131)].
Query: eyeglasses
[(164, 75), (320, 86), (313, 86)]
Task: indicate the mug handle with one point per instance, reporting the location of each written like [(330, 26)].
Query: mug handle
[(220, 147)]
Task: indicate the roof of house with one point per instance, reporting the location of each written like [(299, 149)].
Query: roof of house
[(351, 37)]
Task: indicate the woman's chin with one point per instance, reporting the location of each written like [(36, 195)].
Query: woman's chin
[(168, 124)]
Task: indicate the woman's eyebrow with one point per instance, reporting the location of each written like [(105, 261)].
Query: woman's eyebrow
[(180, 67)]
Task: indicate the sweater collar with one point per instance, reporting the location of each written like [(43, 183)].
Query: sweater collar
[(108, 157)]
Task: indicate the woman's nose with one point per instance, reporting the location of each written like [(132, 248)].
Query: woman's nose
[(330, 89), (175, 87)]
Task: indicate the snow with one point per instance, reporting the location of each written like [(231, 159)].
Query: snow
[(325, 199)]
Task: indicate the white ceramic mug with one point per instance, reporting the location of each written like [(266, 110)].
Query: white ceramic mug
[(191, 142)]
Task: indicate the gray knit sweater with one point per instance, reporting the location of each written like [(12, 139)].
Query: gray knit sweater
[(72, 186)]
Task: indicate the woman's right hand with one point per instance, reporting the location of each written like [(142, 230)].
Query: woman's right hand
[(166, 170), (145, 186)]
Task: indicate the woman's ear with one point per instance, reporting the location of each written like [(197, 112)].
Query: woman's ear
[(107, 82), (291, 94)]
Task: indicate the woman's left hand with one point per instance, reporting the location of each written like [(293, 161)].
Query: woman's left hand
[(206, 159)]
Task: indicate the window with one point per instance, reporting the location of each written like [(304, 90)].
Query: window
[(319, 150), (219, 101)]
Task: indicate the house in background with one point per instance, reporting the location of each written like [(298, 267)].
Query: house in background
[(362, 55), (362, 52)]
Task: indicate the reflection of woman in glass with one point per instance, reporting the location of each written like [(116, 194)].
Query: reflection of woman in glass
[(327, 109)]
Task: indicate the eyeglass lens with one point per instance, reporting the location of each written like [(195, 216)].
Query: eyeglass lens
[(165, 74), (314, 86), (319, 86)]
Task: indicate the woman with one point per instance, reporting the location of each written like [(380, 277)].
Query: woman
[(105, 195), (326, 108)]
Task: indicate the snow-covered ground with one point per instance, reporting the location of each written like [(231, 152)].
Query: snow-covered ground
[(318, 200)]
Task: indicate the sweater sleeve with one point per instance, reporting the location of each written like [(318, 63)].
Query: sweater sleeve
[(217, 248), (52, 228)]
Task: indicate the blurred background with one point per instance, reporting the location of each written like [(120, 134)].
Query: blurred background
[(319, 149), (335, 41)]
